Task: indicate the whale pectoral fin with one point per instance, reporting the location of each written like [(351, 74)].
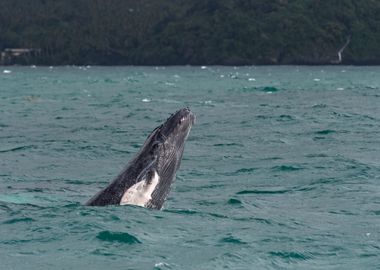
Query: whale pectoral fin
[(141, 192)]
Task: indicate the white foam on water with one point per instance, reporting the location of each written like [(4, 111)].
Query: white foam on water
[(251, 79), (145, 100), (160, 264), (317, 80), (169, 101), (7, 71), (203, 67), (340, 88)]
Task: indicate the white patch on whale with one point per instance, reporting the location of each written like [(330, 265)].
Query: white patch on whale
[(141, 193)]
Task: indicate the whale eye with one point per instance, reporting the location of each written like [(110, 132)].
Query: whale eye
[(155, 145)]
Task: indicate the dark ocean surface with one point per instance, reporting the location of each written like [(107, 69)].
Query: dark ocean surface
[(280, 171)]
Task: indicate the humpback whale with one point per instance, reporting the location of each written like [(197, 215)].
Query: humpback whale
[(147, 178)]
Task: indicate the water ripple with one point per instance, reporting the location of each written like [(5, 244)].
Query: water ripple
[(121, 237), (290, 255)]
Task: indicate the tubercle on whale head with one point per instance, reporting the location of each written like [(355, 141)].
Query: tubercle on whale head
[(166, 143), (181, 121), (171, 135)]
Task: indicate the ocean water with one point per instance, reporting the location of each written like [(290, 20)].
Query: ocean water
[(280, 171)]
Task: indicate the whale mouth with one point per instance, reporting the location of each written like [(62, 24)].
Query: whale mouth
[(182, 116), (187, 121), (191, 117), (187, 115), (178, 123)]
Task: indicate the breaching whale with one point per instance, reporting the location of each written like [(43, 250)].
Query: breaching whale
[(147, 178)]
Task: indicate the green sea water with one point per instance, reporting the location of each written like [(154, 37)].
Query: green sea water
[(280, 171)]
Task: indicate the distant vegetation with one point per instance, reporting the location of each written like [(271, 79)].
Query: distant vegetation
[(171, 32)]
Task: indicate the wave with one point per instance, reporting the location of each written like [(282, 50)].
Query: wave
[(17, 220), (232, 240), (286, 168), (121, 237), (290, 255), (17, 148), (234, 201), (243, 192)]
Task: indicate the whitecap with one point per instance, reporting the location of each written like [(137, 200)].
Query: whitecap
[(169, 101), (251, 79), (317, 80), (145, 100), (203, 67), (340, 88), (160, 264), (7, 71)]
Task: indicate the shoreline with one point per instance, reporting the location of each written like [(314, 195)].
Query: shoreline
[(190, 65)]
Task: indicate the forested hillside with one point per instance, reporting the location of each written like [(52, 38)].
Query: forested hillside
[(170, 32)]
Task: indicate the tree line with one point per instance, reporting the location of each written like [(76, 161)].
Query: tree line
[(196, 32)]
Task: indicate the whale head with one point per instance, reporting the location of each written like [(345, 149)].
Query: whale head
[(158, 161), (166, 143)]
